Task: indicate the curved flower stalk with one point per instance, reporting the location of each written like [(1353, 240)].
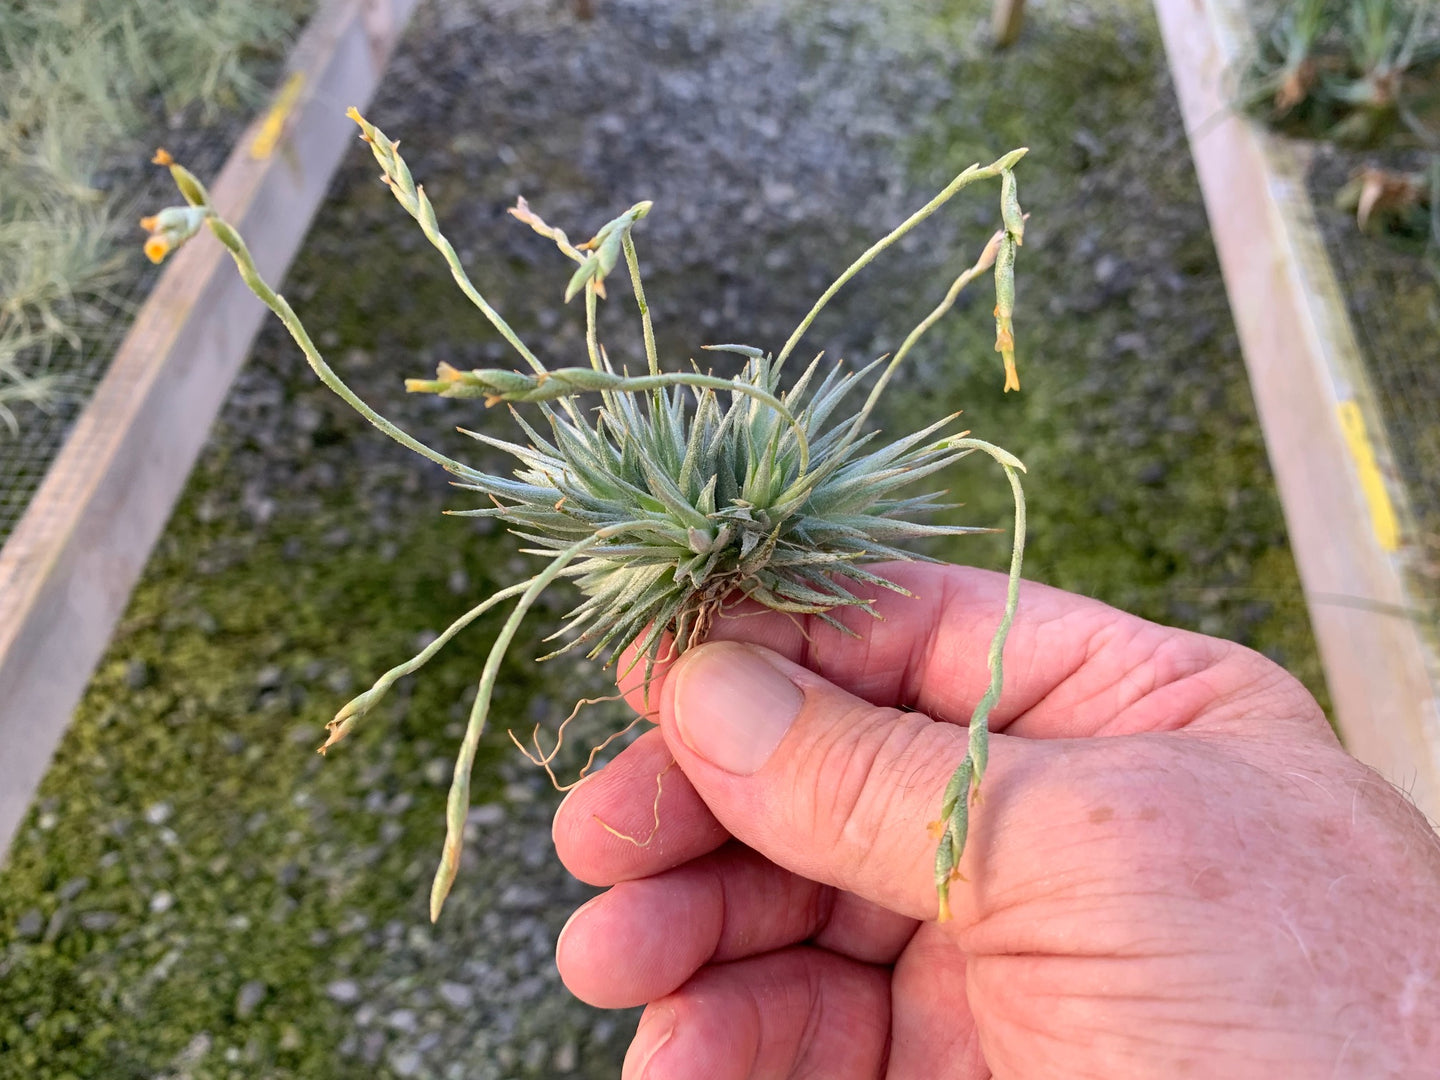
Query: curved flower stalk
[(684, 490)]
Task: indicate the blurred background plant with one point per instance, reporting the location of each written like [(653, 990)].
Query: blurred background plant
[(1364, 74), (81, 86)]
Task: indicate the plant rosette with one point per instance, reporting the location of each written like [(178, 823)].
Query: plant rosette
[(684, 491)]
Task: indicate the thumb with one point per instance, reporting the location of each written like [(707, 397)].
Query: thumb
[(819, 781)]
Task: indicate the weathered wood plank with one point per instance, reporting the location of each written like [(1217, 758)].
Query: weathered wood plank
[(68, 568), (1346, 514), (1007, 18)]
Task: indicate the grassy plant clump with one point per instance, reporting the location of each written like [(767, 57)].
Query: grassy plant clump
[(1366, 74), (1357, 71), (79, 81), (685, 491)]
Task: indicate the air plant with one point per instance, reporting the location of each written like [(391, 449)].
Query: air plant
[(1359, 71), (684, 491), (1404, 201), (1364, 73), (1285, 69), (17, 384)]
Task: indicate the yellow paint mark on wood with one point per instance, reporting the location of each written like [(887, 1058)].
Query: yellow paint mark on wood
[(274, 125), (1372, 481)]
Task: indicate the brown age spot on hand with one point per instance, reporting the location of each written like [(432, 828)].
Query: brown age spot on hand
[(1211, 884), (1101, 814)]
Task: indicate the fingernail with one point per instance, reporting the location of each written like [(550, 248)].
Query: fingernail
[(574, 918), (733, 707), (655, 1030)]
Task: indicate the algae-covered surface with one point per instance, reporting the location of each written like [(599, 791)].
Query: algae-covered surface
[(198, 894)]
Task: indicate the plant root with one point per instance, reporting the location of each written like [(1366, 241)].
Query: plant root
[(542, 759), (654, 828)]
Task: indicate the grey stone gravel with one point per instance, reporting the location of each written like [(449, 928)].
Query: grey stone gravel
[(251, 994), (30, 924), (486, 816), (456, 995), (98, 921), (343, 991)]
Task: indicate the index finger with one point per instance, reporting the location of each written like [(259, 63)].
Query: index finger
[(1073, 666)]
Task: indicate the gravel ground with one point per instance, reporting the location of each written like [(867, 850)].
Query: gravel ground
[(197, 895)]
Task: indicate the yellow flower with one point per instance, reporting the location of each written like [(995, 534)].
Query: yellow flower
[(170, 228)]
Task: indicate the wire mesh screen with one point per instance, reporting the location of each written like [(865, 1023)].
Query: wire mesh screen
[(77, 367)]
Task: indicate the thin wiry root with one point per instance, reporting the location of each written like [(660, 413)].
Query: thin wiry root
[(669, 656), (724, 612), (597, 750), (540, 757), (654, 828), (543, 760), (800, 627)]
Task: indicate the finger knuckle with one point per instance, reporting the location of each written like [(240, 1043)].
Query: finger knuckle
[(862, 790)]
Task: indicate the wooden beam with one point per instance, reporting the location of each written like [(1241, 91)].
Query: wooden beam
[(1007, 17), (68, 568), (1346, 511)]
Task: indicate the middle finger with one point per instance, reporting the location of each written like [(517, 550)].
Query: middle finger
[(645, 938), (637, 816)]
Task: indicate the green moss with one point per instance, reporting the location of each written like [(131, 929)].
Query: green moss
[(265, 847)]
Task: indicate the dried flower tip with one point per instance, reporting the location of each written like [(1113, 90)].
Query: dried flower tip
[(1295, 87), (162, 157), (170, 228), (604, 249), (1373, 193), (1005, 346), (354, 114), (988, 253)]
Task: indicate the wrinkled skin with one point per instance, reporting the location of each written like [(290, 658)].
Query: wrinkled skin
[(1174, 869)]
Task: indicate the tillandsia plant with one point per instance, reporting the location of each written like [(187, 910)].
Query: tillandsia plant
[(684, 491), (1364, 73), (1356, 71)]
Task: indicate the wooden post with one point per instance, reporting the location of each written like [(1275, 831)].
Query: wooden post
[(1347, 516), (68, 568), (1006, 19)]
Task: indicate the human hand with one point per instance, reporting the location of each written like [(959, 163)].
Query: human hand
[(1173, 869)]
